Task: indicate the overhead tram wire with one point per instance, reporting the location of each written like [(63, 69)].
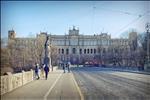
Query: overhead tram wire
[(93, 17), (121, 12), (139, 16), (133, 21), (116, 11), (86, 14)]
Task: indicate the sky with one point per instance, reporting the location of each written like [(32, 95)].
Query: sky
[(28, 18)]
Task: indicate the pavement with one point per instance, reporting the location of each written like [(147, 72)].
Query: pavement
[(59, 86), (106, 84)]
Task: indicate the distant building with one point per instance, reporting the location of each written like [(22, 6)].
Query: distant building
[(78, 48)]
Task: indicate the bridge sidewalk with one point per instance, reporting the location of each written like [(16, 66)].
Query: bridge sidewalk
[(58, 86)]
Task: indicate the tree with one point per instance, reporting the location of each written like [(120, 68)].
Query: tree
[(142, 41), (54, 55), (5, 56)]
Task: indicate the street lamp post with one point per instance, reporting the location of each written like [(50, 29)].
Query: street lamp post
[(147, 64), (50, 59), (148, 40)]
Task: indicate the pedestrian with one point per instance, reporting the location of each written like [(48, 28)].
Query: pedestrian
[(63, 65), (46, 69), (42, 70), (68, 66), (37, 71)]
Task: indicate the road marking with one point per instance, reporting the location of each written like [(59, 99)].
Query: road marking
[(80, 93), (48, 92)]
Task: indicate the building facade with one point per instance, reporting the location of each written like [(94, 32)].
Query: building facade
[(78, 48)]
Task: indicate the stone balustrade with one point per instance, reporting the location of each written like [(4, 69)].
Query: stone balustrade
[(12, 81)]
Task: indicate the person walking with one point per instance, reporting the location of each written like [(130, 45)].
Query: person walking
[(46, 69), (42, 70), (37, 71), (68, 66), (63, 65)]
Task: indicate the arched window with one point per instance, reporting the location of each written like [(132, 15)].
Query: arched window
[(74, 50), (59, 51), (94, 51), (80, 51), (88, 51), (91, 51), (104, 50), (84, 51), (62, 51), (67, 51)]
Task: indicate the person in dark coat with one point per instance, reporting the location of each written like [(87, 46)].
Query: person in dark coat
[(63, 65), (37, 71), (42, 70), (46, 69)]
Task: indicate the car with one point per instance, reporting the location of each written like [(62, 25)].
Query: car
[(86, 64), (91, 64)]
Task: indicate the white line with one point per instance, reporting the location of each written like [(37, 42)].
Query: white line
[(48, 92), (80, 93)]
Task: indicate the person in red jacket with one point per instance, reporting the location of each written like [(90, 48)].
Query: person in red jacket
[(37, 71)]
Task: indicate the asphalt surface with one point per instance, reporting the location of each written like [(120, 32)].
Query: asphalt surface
[(65, 89), (106, 84)]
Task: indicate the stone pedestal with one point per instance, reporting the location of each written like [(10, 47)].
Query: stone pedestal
[(10, 81)]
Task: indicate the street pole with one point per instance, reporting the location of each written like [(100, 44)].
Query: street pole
[(147, 64), (148, 40), (50, 59)]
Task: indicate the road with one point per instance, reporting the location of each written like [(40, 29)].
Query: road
[(100, 84), (65, 89)]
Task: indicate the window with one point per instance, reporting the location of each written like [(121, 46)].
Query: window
[(104, 50), (94, 42), (74, 50), (84, 51), (91, 51), (116, 51), (80, 42), (62, 51), (67, 51), (99, 50), (80, 51), (74, 42), (94, 51), (88, 51), (67, 42), (59, 51)]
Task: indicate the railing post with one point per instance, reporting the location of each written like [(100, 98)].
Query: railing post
[(32, 75), (9, 81), (23, 77)]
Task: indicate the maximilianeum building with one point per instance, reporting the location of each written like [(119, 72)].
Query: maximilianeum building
[(78, 48)]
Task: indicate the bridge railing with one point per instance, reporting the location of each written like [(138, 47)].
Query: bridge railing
[(12, 81)]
